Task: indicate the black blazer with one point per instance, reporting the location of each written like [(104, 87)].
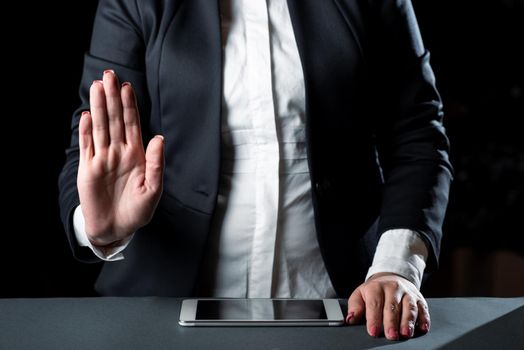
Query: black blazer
[(378, 153)]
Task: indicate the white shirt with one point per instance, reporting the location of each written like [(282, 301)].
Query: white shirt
[(263, 238)]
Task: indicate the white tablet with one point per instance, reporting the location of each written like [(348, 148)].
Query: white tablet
[(261, 312)]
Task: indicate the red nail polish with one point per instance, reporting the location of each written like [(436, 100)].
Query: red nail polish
[(393, 333), (85, 113), (425, 327), (373, 331), (107, 71), (405, 332)]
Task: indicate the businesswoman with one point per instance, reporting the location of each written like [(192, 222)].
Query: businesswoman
[(294, 149)]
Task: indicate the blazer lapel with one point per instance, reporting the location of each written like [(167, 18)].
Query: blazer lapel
[(332, 61), (190, 88)]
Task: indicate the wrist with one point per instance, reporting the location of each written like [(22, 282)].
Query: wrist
[(108, 248), (105, 248), (104, 244), (106, 236), (400, 252)]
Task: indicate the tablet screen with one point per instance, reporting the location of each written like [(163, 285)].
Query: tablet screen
[(260, 309)]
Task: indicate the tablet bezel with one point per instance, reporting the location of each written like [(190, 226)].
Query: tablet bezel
[(334, 316)]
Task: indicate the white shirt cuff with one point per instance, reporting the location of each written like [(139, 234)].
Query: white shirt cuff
[(402, 252), (106, 254)]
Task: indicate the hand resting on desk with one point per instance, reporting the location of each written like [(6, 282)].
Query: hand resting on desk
[(392, 302)]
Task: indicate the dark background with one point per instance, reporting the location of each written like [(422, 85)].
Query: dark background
[(476, 48)]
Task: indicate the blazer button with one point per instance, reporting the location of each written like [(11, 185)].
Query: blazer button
[(322, 187), (318, 190)]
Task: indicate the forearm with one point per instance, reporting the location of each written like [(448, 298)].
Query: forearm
[(116, 22), (411, 141)]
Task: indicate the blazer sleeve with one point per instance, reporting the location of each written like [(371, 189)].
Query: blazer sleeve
[(411, 142), (116, 43)]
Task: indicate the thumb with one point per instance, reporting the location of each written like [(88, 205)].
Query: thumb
[(155, 163), (356, 307)]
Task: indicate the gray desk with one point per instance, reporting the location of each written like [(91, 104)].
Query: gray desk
[(152, 323)]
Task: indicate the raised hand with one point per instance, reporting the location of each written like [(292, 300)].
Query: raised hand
[(118, 183)]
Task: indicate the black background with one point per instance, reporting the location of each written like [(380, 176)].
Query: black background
[(477, 56)]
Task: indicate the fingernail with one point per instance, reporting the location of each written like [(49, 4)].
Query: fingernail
[(425, 327), (349, 317), (126, 84), (109, 71), (393, 333), (97, 82), (85, 113), (160, 137), (373, 331), (411, 331), (405, 332)]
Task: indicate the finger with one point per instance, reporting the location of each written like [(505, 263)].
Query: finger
[(114, 107), (99, 116), (356, 307), (85, 136), (424, 322), (133, 133), (374, 299), (409, 316), (155, 163), (391, 312)]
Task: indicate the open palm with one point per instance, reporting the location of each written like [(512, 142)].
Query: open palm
[(118, 183)]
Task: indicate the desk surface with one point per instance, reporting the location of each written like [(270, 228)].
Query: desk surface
[(152, 323)]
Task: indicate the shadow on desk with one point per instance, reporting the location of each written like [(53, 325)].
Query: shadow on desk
[(507, 331)]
